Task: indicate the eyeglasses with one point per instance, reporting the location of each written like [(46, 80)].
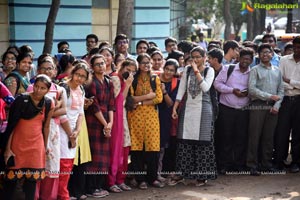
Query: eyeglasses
[(268, 41), (99, 64), (80, 76), (10, 59), (265, 52), (196, 57), (46, 69), (145, 63), (122, 42), (169, 70)]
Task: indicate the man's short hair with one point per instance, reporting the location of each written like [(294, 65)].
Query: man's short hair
[(170, 39), (92, 36), (247, 51), (268, 35), (264, 46), (296, 40), (230, 44), (61, 43), (216, 53)]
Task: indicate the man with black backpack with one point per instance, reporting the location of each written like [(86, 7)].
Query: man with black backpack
[(232, 123)]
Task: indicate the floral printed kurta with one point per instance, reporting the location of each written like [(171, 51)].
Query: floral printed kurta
[(143, 121)]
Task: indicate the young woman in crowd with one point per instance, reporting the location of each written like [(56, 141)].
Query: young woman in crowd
[(119, 58), (109, 60), (17, 81), (168, 126), (157, 60), (68, 136), (99, 117), (9, 64), (195, 150), (65, 67), (27, 133), (47, 188), (119, 154), (144, 123)]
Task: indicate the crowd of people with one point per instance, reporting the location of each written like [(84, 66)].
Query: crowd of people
[(73, 128)]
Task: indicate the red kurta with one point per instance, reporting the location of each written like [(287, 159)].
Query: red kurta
[(28, 146)]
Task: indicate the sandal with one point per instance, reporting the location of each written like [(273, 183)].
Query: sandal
[(98, 193), (143, 185), (82, 197), (124, 187), (115, 189), (200, 183), (175, 181), (158, 184)]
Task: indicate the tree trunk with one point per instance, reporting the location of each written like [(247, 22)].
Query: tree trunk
[(256, 30), (228, 19), (289, 21), (125, 17), (50, 26), (250, 26), (262, 20)]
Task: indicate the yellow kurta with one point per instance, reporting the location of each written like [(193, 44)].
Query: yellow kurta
[(83, 144), (143, 121)]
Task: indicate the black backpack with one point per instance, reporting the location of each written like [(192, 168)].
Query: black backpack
[(212, 93)]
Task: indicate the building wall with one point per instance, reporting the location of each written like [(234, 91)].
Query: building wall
[(24, 22), (4, 33), (177, 18), (104, 20), (151, 22), (28, 22)]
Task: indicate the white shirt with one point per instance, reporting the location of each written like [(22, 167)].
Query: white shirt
[(290, 70)]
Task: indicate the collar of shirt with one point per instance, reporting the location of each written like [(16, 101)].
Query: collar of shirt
[(267, 67)]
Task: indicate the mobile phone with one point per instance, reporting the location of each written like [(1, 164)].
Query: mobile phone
[(70, 144), (244, 91), (125, 75)]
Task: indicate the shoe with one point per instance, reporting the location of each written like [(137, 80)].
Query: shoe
[(98, 193), (115, 189), (158, 184), (254, 172), (200, 183), (294, 168), (73, 198), (143, 185), (124, 187)]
